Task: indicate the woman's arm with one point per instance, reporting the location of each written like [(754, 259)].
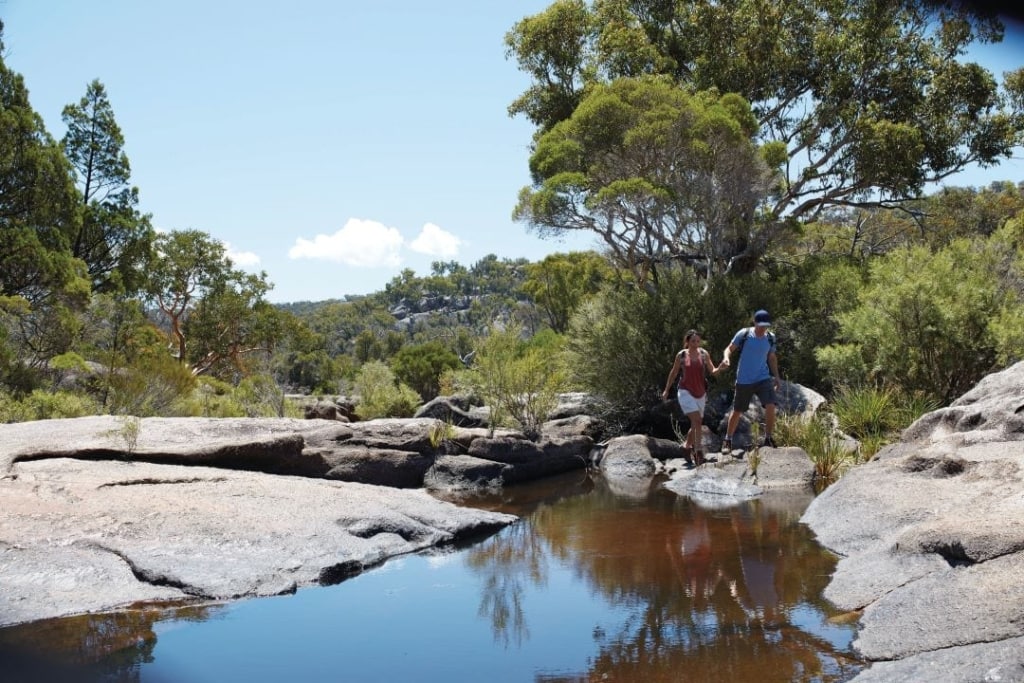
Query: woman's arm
[(671, 377), (708, 363)]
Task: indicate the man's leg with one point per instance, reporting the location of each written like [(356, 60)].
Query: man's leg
[(766, 395), (734, 420), (741, 401)]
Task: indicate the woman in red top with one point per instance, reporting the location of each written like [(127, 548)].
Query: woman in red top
[(690, 365)]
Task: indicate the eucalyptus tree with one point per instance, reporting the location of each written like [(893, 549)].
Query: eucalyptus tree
[(112, 237), (655, 172), (215, 314), (864, 103)]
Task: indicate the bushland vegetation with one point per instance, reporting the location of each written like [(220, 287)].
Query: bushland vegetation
[(719, 182)]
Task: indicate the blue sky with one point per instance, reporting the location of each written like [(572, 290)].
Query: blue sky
[(329, 143)]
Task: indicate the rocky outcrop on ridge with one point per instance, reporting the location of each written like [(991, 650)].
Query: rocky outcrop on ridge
[(931, 535)]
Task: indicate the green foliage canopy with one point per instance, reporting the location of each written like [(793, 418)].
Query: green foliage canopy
[(654, 172), (858, 103), (560, 283), (214, 312), (421, 365), (932, 323)]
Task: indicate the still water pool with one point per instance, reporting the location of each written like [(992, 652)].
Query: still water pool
[(595, 583)]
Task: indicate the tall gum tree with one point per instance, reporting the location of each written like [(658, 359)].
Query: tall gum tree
[(865, 102), (655, 172)]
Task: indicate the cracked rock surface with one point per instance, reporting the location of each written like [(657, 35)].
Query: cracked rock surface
[(931, 535), (83, 535)]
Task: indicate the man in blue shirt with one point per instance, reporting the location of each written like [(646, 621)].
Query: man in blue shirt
[(757, 373)]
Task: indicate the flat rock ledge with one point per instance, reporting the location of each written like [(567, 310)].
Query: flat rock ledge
[(931, 539), (101, 513)]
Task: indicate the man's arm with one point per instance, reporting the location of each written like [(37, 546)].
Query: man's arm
[(725, 354), (773, 365)]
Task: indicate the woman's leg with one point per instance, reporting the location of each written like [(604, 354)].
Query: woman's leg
[(694, 437)]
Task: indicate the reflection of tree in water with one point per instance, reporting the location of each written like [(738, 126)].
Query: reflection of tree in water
[(109, 646), (710, 595), (517, 558), (509, 563)]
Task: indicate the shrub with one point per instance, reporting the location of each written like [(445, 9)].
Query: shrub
[(151, 386), (421, 365), (260, 396), (818, 438), (380, 394), (865, 411), (875, 416), (442, 436), (623, 341), (44, 405), (930, 322), (518, 380), (11, 409), (210, 398)]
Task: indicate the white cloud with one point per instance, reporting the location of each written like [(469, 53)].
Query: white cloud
[(242, 259), (360, 243), (433, 241)]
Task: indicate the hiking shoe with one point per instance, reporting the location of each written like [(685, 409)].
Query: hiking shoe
[(726, 445), (769, 442), (698, 457)]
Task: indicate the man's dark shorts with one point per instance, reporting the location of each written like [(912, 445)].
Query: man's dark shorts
[(764, 390)]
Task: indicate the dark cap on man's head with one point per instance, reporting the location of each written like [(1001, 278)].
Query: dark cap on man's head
[(762, 319)]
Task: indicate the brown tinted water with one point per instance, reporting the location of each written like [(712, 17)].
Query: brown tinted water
[(595, 583)]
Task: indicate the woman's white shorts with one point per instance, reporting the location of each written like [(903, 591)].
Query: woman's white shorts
[(689, 404)]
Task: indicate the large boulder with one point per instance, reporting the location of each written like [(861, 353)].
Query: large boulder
[(531, 460), (450, 409), (787, 467), (575, 403), (636, 456), (732, 480), (931, 540), (382, 466), (574, 425), (327, 409), (465, 473)]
